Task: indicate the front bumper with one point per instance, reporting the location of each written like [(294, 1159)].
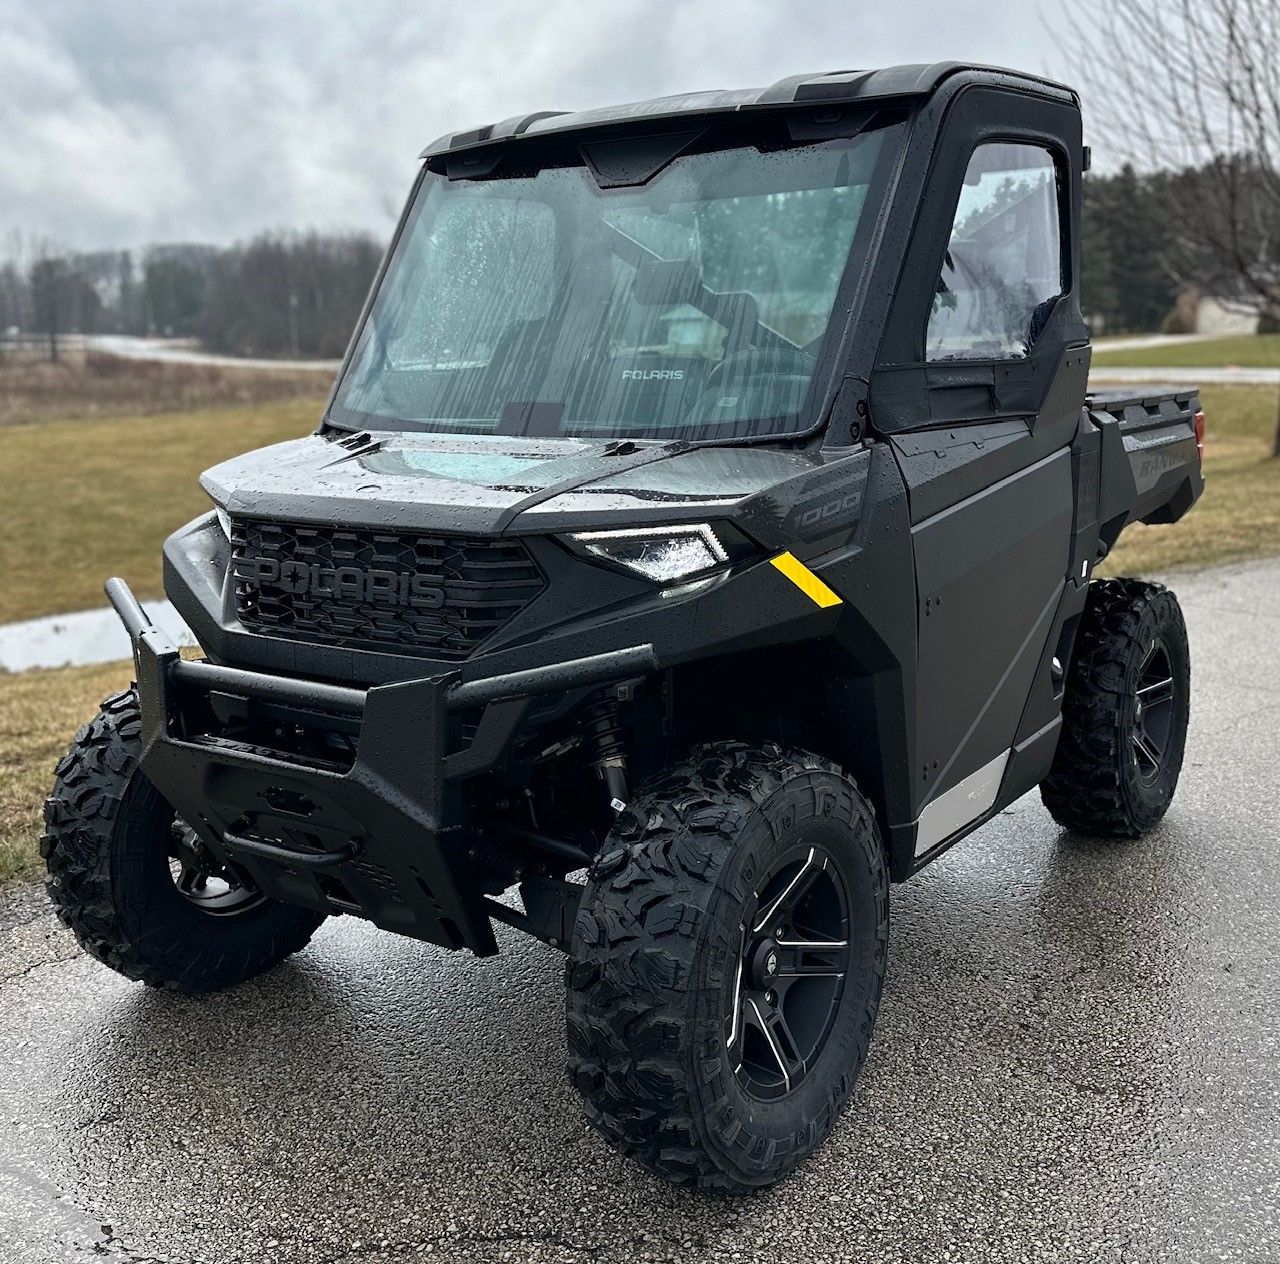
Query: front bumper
[(377, 835)]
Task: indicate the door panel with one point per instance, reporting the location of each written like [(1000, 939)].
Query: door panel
[(945, 466), (948, 464), (989, 574), (977, 383)]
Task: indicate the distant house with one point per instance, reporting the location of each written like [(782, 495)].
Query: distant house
[(1216, 314), (1220, 311)]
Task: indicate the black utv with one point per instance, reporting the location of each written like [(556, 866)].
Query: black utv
[(698, 538)]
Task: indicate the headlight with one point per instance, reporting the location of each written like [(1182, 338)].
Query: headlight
[(224, 520), (662, 554)]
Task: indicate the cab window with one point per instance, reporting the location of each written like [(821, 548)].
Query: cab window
[(1002, 272)]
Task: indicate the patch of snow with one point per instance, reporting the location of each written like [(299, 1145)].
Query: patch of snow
[(73, 640)]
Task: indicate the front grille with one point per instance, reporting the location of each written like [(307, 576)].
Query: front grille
[(437, 595)]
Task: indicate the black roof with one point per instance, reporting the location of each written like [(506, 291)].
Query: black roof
[(833, 87)]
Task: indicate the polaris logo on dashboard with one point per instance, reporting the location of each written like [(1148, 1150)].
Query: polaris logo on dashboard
[(345, 583), (653, 375)]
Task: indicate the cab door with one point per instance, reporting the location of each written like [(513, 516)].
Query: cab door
[(979, 385)]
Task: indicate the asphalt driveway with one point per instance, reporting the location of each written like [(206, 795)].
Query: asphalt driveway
[(1078, 1058)]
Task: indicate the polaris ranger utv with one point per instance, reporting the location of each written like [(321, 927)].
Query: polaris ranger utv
[(708, 501)]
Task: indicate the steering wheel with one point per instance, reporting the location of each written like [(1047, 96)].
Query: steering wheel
[(788, 360)]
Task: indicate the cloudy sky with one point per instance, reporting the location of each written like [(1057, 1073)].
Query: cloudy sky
[(124, 122)]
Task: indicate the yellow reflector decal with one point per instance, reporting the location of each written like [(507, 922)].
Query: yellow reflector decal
[(805, 580)]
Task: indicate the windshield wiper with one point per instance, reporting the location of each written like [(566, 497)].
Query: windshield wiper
[(618, 463)]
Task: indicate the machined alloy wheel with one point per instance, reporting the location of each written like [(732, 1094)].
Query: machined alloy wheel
[(792, 963), (201, 880), (1154, 711)]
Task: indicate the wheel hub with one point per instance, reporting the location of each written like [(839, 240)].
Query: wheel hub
[(765, 963)]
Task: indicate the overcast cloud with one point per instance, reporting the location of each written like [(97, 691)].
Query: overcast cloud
[(125, 122)]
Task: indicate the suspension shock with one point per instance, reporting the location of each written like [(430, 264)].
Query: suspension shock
[(604, 730)]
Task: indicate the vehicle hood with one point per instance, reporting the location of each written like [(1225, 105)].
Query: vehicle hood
[(494, 485)]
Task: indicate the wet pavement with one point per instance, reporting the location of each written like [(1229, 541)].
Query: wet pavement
[(1076, 1060)]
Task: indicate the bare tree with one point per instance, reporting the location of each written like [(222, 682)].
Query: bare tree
[(15, 290), (1192, 87), (47, 280)]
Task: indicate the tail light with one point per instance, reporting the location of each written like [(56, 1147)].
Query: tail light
[(1199, 424)]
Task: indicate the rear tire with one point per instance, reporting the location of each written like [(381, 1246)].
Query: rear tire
[(1124, 712), (727, 964), (118, 866)]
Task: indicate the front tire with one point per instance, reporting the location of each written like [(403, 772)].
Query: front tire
[(727, 964), (1124, 713), (132, 883)]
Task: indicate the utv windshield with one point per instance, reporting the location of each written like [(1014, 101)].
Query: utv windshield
[(693, 306)]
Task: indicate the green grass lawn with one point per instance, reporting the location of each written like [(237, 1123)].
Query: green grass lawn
[(1244, 351), (83, 500)]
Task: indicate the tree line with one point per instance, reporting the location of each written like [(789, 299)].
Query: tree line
[(299, 294), (1127, 283), (281, 294), (1138, 261)]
